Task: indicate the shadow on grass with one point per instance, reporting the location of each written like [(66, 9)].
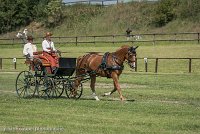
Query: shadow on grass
[(85, 98)]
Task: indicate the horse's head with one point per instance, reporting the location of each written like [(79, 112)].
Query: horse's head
[(131, 56)]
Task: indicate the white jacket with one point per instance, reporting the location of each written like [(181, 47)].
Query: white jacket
[(29, 48), (47, 45)]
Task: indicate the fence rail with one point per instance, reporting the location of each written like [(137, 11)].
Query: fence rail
[(14, 63), (90, 2), (120, 38), (104, 2)]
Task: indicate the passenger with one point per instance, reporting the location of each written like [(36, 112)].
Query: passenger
[(29, 49), (49, 51)]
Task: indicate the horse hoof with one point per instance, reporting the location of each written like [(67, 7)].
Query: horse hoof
[(107, 94), (122, 99), (96, 98)]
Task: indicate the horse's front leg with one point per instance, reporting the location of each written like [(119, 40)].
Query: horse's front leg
[(92, 86), (116, 85)]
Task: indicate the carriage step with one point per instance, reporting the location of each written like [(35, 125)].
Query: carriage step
[(46, 64)]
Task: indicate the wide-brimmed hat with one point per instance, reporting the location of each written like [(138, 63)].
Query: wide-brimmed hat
[(30, 37), (48, 34)]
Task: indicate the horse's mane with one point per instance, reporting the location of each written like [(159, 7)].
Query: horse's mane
[(124, 46), (93, 52)]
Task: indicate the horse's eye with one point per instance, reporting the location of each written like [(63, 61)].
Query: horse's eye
[(130, 55)]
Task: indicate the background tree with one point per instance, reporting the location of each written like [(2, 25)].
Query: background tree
[(190, 9), (54, 13), (164, 12)]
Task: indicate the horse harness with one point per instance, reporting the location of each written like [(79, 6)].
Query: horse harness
[(108, 68)]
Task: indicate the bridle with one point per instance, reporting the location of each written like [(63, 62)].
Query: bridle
[(130, 55), (131, 52)]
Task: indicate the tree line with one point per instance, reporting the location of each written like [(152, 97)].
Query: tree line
[(168, 10), (17, 13)]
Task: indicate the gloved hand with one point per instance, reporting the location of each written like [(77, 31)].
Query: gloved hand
[(59, 52), (27, 56)]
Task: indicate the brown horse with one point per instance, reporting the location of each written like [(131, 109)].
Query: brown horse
[(109, 65)]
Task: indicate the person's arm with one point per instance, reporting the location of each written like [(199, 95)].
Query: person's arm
[(53, 47), (25, 50), (44, 44)]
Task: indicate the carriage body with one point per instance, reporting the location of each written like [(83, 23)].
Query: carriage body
[(41, 81), (66, 67)]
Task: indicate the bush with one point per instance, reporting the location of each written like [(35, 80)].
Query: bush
[(190, 9), (164, 12)]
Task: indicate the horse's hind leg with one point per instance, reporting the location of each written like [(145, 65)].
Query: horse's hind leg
[(76, 84), (111, 92), (92, 86)]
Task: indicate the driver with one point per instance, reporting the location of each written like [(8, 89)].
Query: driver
[(49, 51)]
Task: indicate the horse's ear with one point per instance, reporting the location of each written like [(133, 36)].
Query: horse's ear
[(136, 47)]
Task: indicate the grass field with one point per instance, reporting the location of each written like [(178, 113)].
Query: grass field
[(158, 103), (162, 50), (167, 102)]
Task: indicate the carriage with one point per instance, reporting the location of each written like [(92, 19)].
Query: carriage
[(42, 82), (39, 82)]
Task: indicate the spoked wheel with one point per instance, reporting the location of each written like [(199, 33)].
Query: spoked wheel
[(58, 87), (25, 84), (70, 91), (40, 87), (43, 83), (49, 87), (45, 87)]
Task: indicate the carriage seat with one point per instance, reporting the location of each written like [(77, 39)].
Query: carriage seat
[(37, 53), (45, 61)]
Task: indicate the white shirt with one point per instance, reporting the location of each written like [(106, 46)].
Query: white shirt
[(29, 48), (46, 45)]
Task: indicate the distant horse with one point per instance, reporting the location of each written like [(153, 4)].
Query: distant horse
[(109, 65)]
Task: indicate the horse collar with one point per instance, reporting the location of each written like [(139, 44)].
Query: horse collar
[(105, 66)]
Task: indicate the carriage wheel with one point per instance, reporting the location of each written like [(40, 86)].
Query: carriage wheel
[(40, 87), (70, 91), (25, 84), (49, 86), (45, 87), (58, 87)]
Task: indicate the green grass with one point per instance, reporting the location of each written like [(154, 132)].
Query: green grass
[(160, 50), (164, 103)]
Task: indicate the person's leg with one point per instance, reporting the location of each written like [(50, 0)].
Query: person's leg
[(51, 61)]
